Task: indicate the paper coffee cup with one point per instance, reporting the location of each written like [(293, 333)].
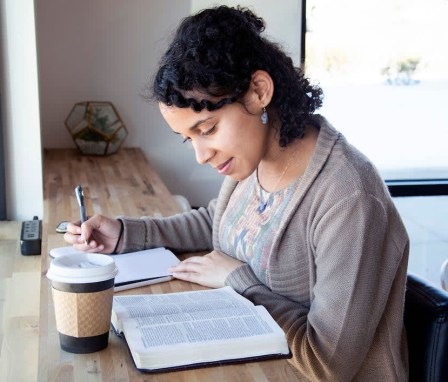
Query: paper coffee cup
[(82, 288)]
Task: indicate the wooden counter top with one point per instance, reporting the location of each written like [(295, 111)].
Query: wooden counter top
[(121, 184)]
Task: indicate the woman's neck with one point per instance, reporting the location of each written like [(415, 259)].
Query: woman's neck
[(281, 165)]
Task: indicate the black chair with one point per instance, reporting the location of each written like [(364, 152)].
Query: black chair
[(426, 322)]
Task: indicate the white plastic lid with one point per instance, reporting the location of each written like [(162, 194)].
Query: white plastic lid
[(62, 251), (82, 268)]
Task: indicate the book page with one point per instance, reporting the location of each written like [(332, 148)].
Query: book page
[(194, 328), (240, 333), (165, 330), (176, 305), (146, 264)]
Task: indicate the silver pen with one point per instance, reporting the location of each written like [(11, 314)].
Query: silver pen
[(82, 208)]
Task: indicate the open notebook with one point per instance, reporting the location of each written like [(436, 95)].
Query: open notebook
[(135, 269)]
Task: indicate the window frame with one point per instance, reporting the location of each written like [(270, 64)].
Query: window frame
[(397, 188), (3, 215)]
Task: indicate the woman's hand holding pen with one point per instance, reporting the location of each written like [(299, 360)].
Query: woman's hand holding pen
[(210, 270), (97, 234)]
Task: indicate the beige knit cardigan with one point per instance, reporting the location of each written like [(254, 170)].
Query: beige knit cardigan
[(337, 266)]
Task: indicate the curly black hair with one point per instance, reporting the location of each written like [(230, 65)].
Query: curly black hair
[(216, 51)]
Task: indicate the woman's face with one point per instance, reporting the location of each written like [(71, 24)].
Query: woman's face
[(231, 139)]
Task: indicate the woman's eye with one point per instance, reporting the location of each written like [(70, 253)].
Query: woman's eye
[(209, 131)]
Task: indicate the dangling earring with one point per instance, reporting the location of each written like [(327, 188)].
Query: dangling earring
[(264, 117)]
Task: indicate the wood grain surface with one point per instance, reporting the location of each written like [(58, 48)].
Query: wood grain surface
[(19, 307), (120, 184)]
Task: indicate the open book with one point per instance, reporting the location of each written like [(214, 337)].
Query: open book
[(135, 269), (193, 329)]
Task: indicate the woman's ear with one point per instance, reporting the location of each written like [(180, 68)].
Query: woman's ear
[(262, 87)]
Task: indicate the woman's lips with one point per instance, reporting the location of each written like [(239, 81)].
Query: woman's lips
[(224, 168)]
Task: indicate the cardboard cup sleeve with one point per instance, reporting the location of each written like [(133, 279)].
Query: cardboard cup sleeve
[(83, 314)]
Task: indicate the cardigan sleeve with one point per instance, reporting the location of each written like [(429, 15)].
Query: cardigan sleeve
[(356, 260), (186, 232)]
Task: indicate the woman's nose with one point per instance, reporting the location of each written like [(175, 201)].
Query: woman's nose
[(203, 152)]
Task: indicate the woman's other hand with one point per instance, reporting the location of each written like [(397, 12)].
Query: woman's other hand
[(97, 234), (210, 270)]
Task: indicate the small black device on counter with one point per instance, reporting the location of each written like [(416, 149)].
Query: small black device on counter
[(31, 237)]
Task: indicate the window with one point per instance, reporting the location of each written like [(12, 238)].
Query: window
[(384, 71), (2, 172)]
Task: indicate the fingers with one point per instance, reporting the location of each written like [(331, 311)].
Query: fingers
[(76, 232), (81, 235), (87, 228), (192, 264), (80, 244), (205, 270), (74, 227), (190, 270), (92, 246), (188, 276), (194, 273)]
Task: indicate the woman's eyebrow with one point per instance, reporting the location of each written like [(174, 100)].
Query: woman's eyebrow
[(195, 125), (198, 123)]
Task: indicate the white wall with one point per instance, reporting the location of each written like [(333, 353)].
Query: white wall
[(107, 50), (20, 107), (282, 18)]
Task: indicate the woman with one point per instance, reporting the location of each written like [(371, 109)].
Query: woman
[(303, 223)]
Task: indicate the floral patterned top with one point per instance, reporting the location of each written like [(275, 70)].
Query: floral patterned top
[(251, 220)]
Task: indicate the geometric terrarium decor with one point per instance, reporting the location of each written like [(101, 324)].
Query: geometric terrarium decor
[(96, 128)]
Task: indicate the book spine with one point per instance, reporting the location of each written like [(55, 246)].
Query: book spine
[(139, 284)]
